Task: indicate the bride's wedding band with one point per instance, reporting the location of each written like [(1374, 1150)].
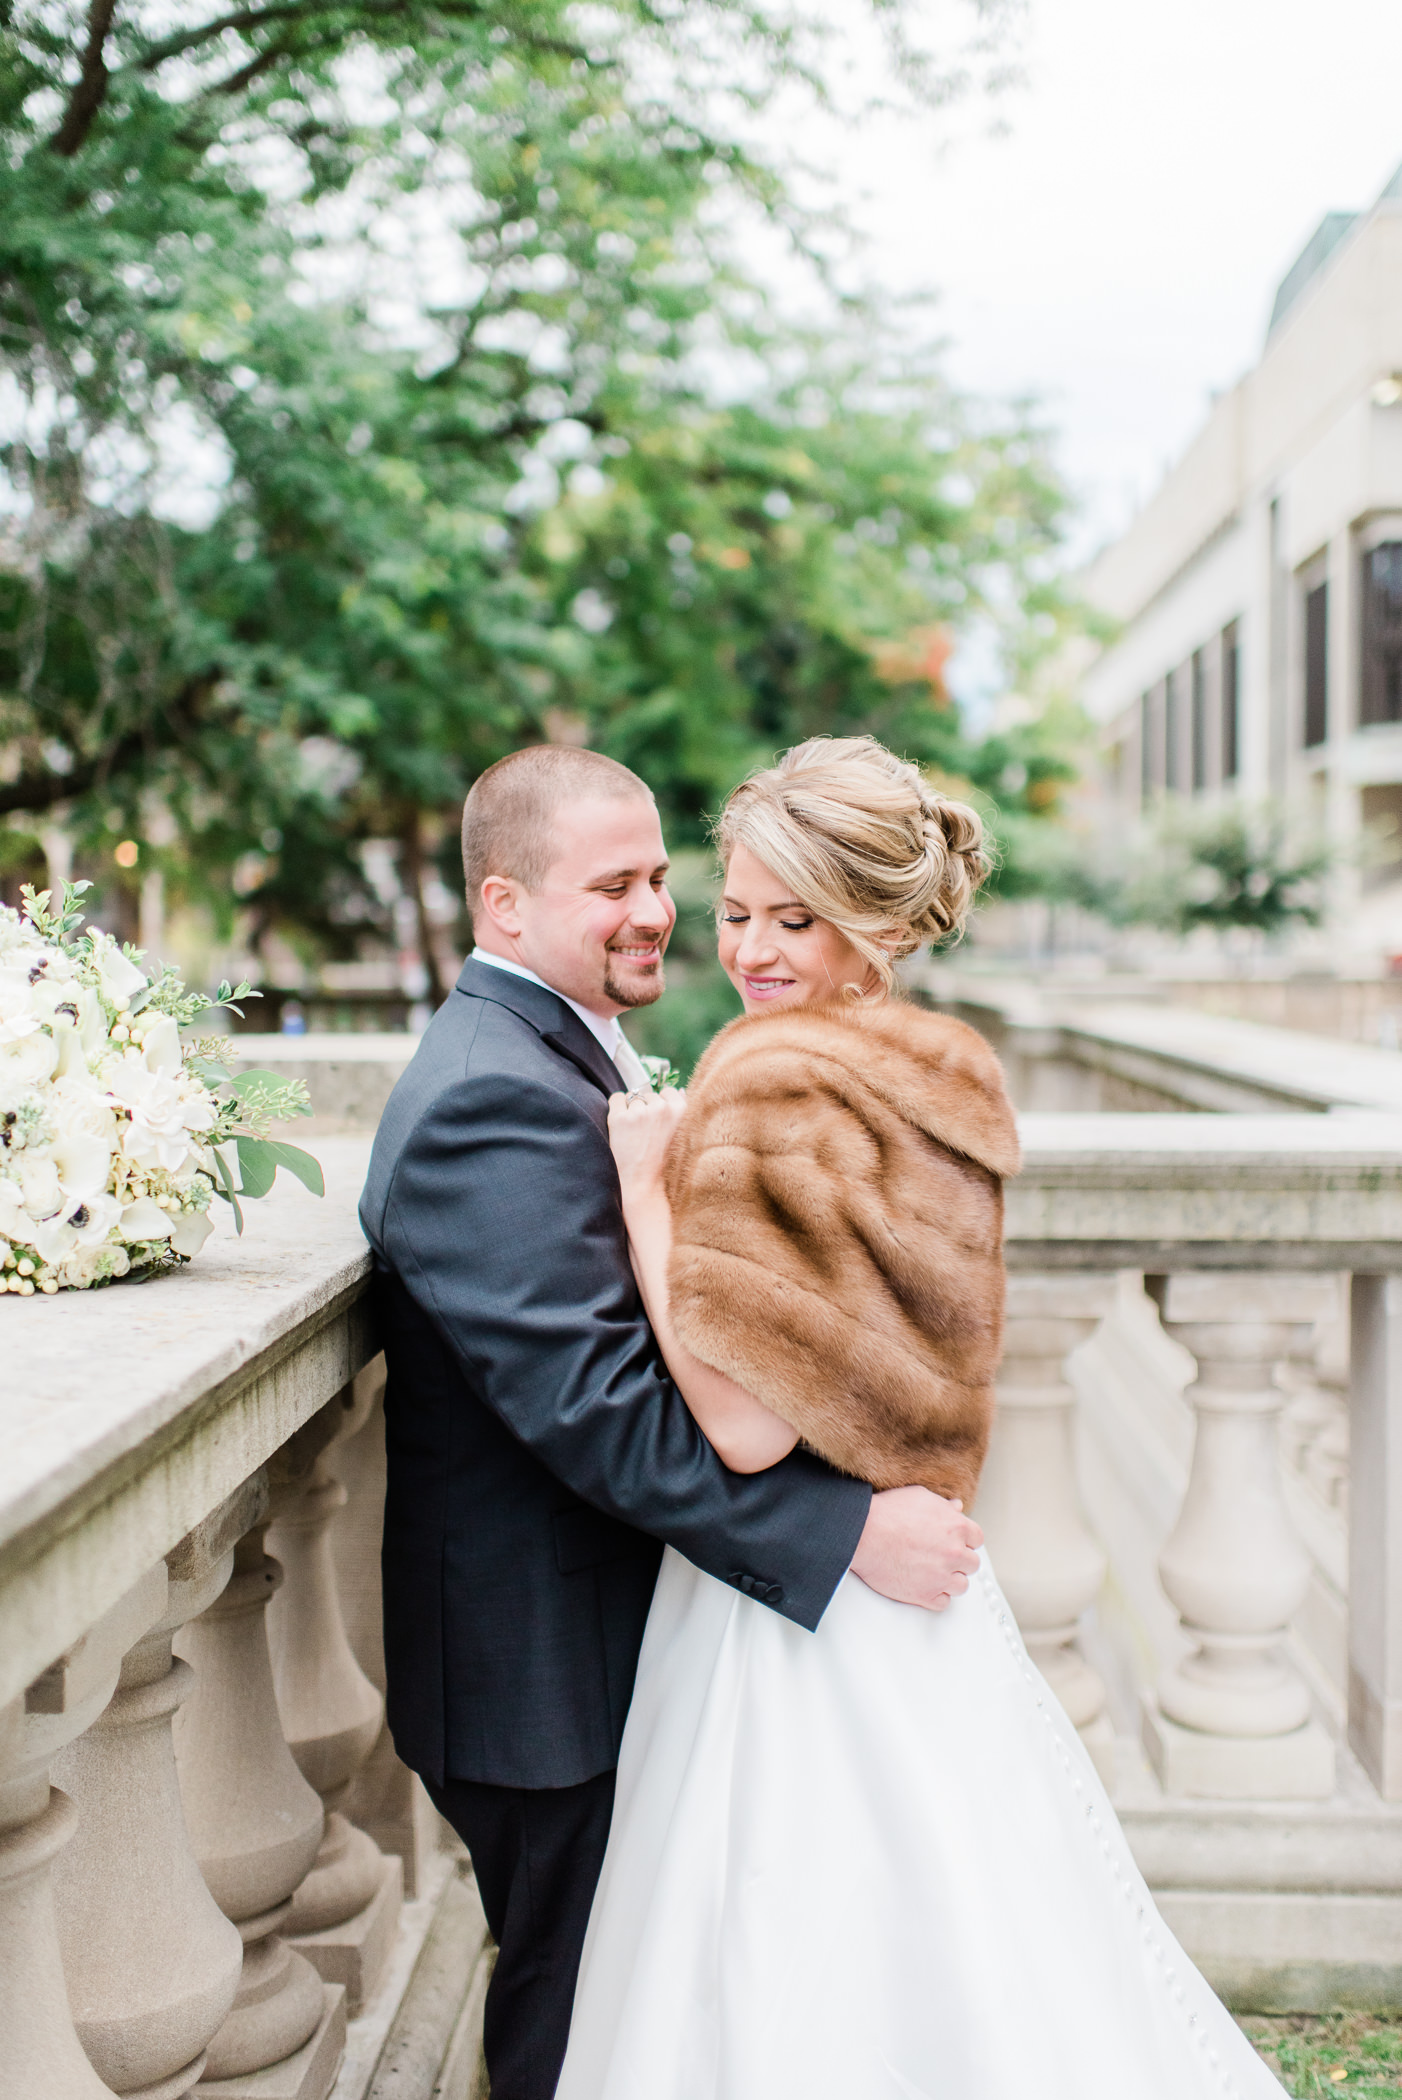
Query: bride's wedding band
[(639, 1093)]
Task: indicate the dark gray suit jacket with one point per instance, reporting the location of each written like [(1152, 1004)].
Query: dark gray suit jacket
[(538, 1450)]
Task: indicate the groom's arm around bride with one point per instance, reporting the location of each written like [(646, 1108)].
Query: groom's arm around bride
[(539, 1454)]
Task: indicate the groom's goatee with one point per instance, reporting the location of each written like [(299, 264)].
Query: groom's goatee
[(645, 994)]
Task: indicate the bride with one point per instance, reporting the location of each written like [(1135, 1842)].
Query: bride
[(873, 1862)]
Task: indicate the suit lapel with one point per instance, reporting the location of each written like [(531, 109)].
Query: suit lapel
[(554, 1022)]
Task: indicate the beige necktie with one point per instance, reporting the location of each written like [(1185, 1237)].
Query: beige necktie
[(631, 1068)]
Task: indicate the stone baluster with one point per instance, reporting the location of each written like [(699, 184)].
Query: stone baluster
[(151, 1961), (1232, 1719), (1050, 1566), (344, 1914), (255, 1826), (41, 2057), (1375, 1531)]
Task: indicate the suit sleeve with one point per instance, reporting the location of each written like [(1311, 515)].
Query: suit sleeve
[(505, 1223)]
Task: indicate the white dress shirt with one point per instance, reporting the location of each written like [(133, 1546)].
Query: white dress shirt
[(605, 1030)]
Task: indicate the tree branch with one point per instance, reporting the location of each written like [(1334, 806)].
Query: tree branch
[(90, 90), (37, 791), (241, 20)]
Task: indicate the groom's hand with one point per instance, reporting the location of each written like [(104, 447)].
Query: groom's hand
[(917, 1548)]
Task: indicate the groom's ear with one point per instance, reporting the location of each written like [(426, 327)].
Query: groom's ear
[(500, 903)]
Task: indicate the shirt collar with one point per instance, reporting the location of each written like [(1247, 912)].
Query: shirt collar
[(606, 1032)]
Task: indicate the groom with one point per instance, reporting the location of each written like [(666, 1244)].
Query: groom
[(539, 1454)]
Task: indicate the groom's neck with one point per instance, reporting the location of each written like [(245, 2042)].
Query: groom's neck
[(491, 942)]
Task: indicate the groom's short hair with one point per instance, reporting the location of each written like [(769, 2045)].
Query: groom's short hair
[(506, 817)]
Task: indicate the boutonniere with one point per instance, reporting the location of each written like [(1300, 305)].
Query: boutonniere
[(659, 1072)]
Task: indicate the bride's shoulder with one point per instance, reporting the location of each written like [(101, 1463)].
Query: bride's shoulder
[(938, 1074)]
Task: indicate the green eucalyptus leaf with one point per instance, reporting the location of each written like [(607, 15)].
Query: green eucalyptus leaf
[(257, 1166), (260, 1158), (226, 1188)]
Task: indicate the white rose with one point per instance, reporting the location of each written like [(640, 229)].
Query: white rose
[(78, 1104), (192, 1230), (85, 1266), (28, 1060), (40, 1190), (160, 1114), (145, 1220)]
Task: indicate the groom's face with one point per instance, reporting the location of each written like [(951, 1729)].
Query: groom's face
[(598, 926)]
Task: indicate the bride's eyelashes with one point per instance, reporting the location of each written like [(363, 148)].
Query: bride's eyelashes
[(736, 918)]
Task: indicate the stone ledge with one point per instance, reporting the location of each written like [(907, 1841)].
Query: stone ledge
[(130, 1413)]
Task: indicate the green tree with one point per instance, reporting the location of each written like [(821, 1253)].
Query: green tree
[(516, 512)]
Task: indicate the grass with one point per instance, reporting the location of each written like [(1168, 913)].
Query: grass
[(1334, 2053)]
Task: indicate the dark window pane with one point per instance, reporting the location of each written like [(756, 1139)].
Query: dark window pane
[(1382, 634), (1317, 665), (1231, 702), (1199, 691), (1173, 729)]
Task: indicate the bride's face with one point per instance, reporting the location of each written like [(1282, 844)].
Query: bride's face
[(773, 950)]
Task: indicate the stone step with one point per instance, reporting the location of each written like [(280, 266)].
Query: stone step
[(421, 2038)]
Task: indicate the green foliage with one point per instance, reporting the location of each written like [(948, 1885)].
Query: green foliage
[(254, 1104), (1233, 867), (1344, 2053), (519, 507), (56, 922)]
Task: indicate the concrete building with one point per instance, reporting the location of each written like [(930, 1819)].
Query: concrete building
[(1259, 593)]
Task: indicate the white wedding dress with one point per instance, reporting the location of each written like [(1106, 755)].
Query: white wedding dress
[(874, 1863)]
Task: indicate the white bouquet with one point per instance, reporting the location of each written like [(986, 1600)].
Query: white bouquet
[(114, 1135)]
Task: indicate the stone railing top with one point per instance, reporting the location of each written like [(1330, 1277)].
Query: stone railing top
[(1208, 1191), (1311, 1071), (382, 1046), (91, 1377)]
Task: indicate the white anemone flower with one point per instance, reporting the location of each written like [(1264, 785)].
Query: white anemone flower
[(160, 1047), (14, 1221), (83, 1163), (19, 1014), (191, 1231), (121, 979), (145, 1220)]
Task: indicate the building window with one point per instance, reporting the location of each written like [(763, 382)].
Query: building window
[(1173, 730), (1197, 674), (1382, 633), (1231, 702), (1316, 665), (1152, 715)]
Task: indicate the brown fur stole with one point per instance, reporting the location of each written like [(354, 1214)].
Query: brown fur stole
[(838, 1215)]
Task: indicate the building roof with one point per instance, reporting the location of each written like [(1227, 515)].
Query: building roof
[(1312, 258)]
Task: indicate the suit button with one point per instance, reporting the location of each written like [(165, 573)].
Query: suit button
[(774, 1594), (740, 1579)]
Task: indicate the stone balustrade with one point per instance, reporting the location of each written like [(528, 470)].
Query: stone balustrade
[(1081, 1051), (1245, 1648), (200, 1877), (182, 1905)]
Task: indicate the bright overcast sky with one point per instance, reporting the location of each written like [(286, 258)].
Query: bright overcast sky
[(1115, 252)]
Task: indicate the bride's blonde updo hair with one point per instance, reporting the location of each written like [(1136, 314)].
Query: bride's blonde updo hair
[(862, 841)]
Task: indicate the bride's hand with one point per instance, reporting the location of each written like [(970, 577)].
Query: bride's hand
[(640, 1130)]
